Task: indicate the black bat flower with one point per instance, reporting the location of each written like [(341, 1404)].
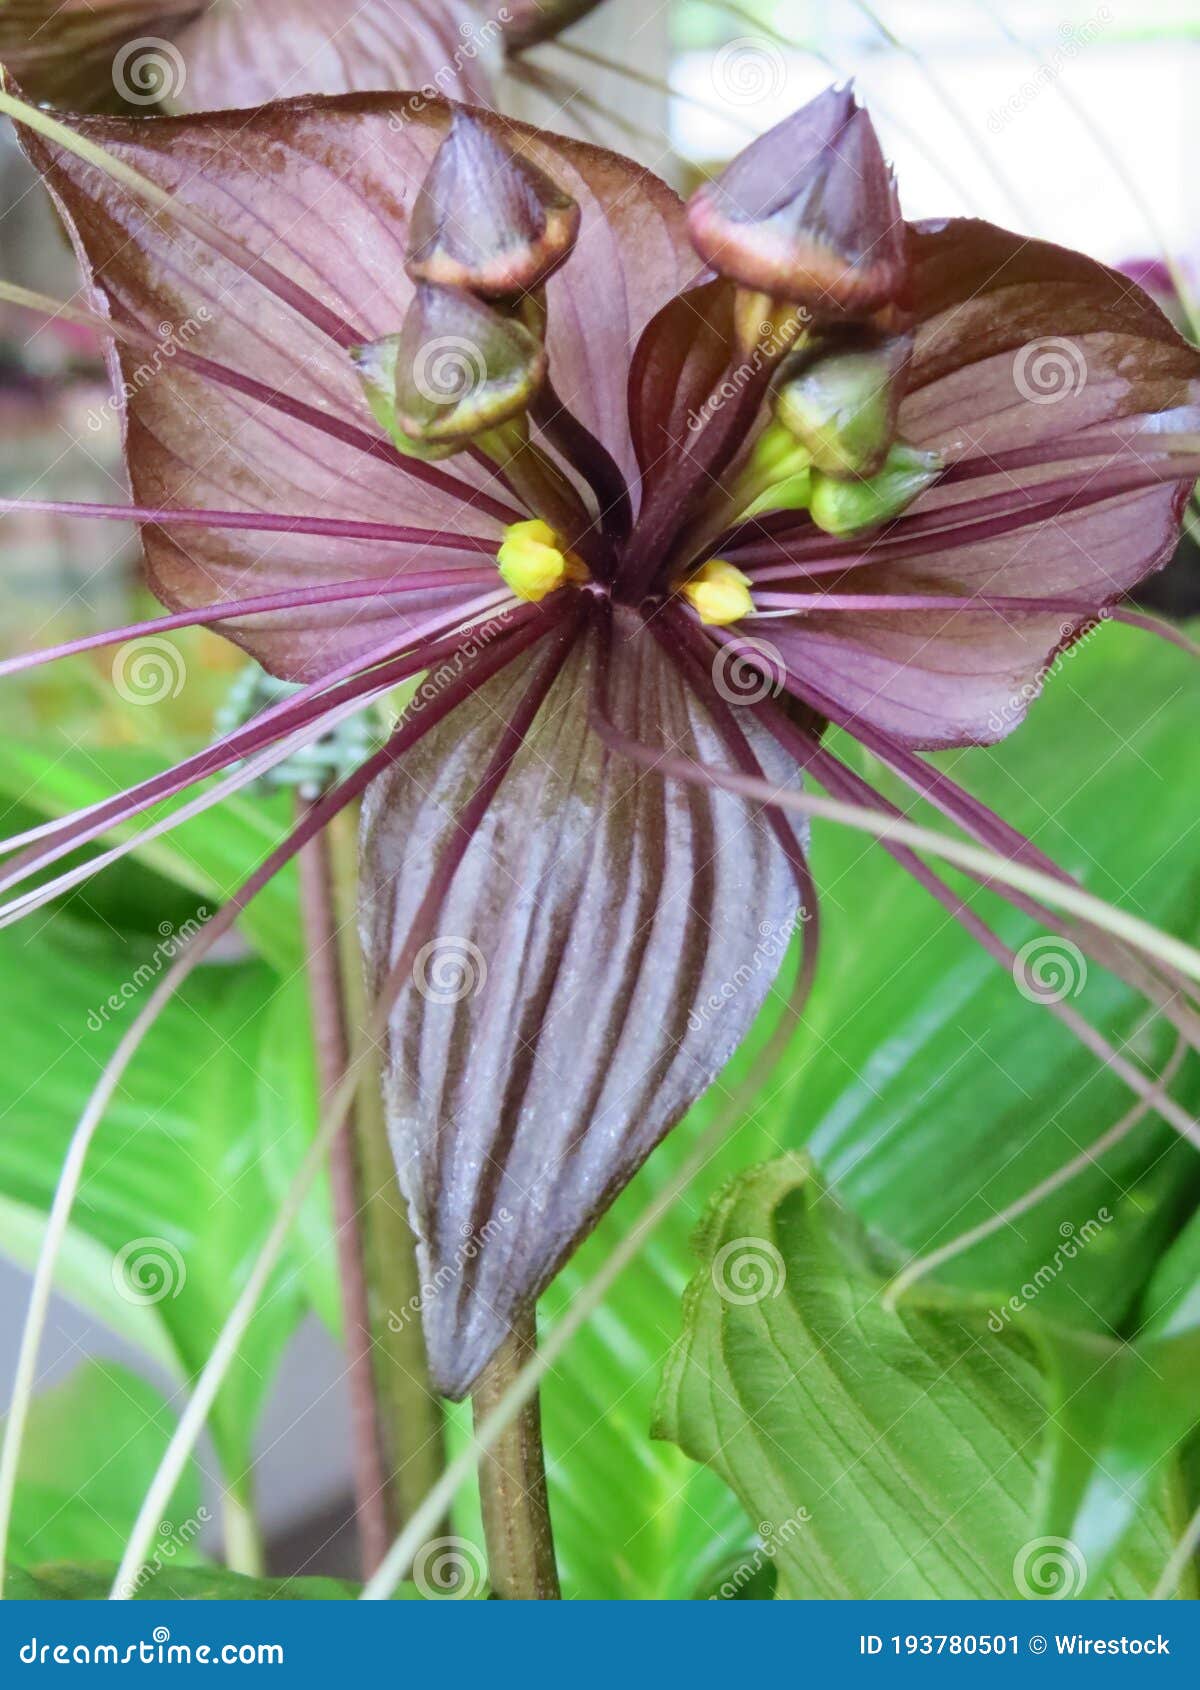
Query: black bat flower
[(649, 495)]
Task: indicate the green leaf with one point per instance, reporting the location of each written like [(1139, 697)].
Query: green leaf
[(90, 1451), (1123, 1410), (208, 855), (92, 1583), (886, 1454), (173, 1186)]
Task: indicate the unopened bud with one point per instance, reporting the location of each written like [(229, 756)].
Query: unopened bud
[(809, 212), (842, 404), (843, 507), (457, 368), (486, 218)]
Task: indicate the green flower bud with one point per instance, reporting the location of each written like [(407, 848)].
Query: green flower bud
[(843, 507)]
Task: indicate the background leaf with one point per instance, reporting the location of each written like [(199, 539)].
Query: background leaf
[(887, 1454), (90, 1452)]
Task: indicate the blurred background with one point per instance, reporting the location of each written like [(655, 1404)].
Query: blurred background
[(1069, 120)]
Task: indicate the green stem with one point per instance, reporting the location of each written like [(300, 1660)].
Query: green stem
[(411, 1419), (243, 1541), (512, 1480), (327, 977)]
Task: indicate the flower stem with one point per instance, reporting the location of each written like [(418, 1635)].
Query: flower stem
[(411, 1420), (512, 1481), (242, 1539), (326, 986)]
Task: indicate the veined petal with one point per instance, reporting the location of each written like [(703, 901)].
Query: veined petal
[(603, 950), (1019, 343), (323, 191), (205, 55), (276, 49)]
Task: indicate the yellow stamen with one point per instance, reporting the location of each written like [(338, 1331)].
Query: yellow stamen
[(719, 593), (533, 562)]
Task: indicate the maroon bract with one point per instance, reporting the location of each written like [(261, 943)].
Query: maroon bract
[(621, 599), (204, 55)]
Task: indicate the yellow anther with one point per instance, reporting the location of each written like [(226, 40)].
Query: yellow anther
[(719, 593), (533, 562)]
